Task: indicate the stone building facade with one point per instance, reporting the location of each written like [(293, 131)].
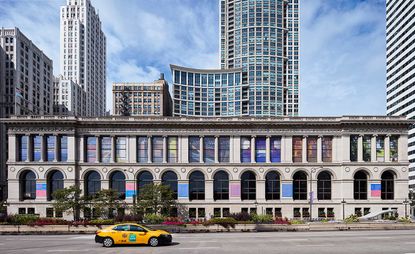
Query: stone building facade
[(216, 166)]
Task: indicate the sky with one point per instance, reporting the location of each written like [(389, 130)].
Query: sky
[(342, 48)]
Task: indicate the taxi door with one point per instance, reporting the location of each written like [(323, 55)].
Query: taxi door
[(137, 235), (120, 234)]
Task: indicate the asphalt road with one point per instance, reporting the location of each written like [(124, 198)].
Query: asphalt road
[(400, 242)]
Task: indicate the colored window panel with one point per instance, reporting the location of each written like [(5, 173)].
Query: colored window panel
[(275, 149), (393, 148), (106, 149), (297, 149), (142, 149), (63, 148), (23, 147), (245, 149), (327, 148), (121, 149), (172, 154), (354, 139), (367, 148), (50, 144), (91, 149), (380, 148), (312, 149), (209, 149), (194, 149), (37, 148), (224, 149), (157, 149), (260, 149)]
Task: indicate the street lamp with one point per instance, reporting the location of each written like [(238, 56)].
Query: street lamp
[(343, 204), (313, 170), (256, 206), (406, 202)]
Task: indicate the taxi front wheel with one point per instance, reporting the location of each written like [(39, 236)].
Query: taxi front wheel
[(153, 242), (108, 242)]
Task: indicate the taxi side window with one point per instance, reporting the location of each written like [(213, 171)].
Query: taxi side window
[(122, 228), (137, 229)]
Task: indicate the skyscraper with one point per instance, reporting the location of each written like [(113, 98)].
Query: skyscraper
[(83, 54), (26, 84), (262, 38), (400, 89)]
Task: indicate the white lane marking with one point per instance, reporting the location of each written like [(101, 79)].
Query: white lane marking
[(83, 237), (198, 248), (295, 240), (315, 245), (67, 250), (377, 237)]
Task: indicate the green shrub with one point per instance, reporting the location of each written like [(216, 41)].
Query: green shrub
[(224, 222), (353, 218), (102, 222), (405, 220), (153, 219), (21, 219), (242, 216), (262, 219), (296, 222)]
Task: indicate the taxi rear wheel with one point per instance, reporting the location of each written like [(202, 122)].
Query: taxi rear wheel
[(108, 242), (153, 242)]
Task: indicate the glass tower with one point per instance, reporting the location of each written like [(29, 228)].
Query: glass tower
[(262, 38)]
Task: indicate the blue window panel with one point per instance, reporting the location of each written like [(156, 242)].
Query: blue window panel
[(245, 149), (287, 190), (183, 190), (130, 193), (275, 149), (51, 142), (24, 141), (64, 148), (37, 148)]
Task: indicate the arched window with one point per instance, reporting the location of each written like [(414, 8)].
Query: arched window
[(117, 183), (27, 185), (300, 186), (143, 179), (221, 186), (248, 186), (387, 188), (92, 183), (272, 186), (324, 186), (169, 179), (55, 182), (197, 186), (360, 185)]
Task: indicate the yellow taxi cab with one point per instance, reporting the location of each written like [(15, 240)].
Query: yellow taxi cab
[(130, 233)]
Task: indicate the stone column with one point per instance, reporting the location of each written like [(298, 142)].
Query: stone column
[(304, 149), (164, 149), (81, 149), (387, 148), (14, 148), (57, 148), (360, 148), (320, 149), (403, 148), (209, 190), (132, 149), (287, 149), (42, 148), (253, 149), (29, 148), (184, 149), (113, 149), (268, 150), (71, 148), (201, 152), (373, 148), (149, 147), (235, 149), (260, 191), (216, 149)]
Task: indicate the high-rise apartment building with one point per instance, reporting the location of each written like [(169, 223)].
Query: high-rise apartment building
[(262, 38), (259, 44), (26, 84), (400, 38), (142, 99), (83, 55)]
